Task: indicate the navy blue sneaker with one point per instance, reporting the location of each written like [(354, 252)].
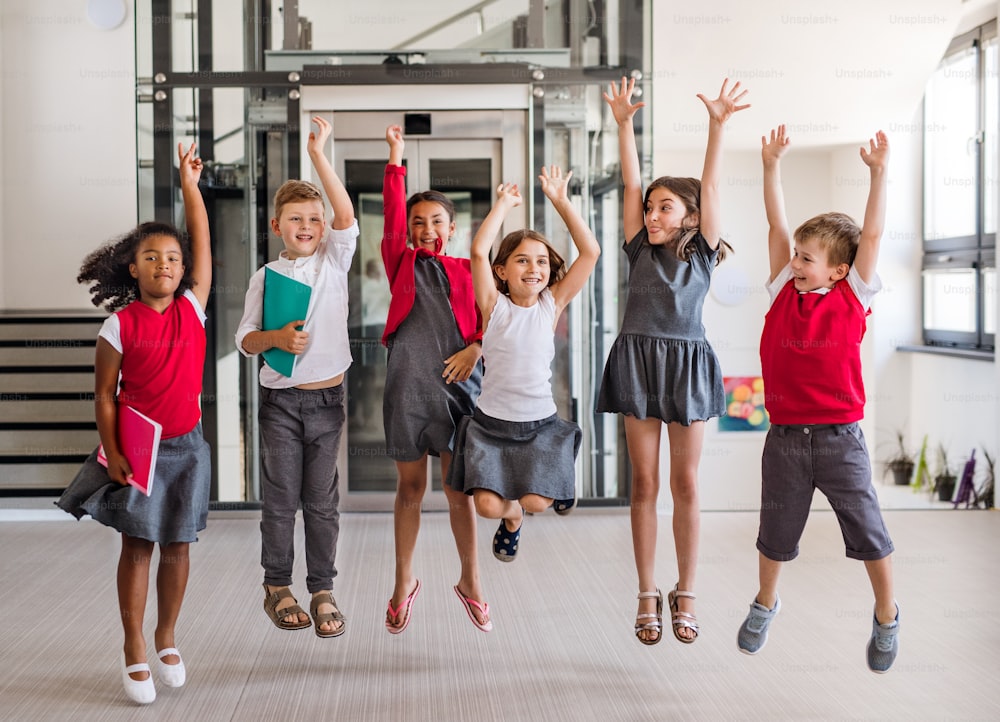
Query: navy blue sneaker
[(753, 632), (883, 645), (564, 506), (505, 542)]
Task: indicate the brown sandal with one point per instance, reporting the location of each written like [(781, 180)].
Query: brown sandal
[(271, 601), (326, 617)]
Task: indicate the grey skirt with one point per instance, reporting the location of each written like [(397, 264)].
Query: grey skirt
[(514, 458), (662, 378), (175, 511)]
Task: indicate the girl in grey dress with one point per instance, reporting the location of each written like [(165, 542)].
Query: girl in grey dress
[(661, 369), (433, 376), (515, 454)]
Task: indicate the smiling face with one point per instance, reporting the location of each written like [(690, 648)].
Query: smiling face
[(526, 271), (427, 222), (158, 267), (811, 268), (300, 227), (665, 216)]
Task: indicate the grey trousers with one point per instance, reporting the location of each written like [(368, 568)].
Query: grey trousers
[(300, 434)]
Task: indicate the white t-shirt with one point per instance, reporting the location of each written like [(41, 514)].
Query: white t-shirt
[(111, 330), (864, 292), (328, 352)]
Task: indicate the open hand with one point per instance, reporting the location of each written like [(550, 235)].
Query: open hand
[(877, 156), (620, 101), (555, 185), (771, 150), (726, 104), (508, 195)]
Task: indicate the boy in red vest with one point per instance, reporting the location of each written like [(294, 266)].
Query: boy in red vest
[(821, 291)]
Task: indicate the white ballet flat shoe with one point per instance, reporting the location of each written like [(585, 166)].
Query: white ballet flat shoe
[(172, 675), (141, 691)]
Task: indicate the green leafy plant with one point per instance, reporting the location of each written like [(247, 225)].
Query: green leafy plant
[(901, 463)]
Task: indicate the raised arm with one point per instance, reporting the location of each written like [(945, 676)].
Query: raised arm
[(719, 111), (779, 239), (877, 160), (622, 108), (555, 187), (196, 220), (508, 196), (394, 204), (343, 209)]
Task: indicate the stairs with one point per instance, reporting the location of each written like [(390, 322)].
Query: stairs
[(47, 425)]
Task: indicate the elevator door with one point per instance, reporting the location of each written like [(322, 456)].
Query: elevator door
[(468, 171)]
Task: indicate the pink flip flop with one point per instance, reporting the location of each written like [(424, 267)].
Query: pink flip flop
[(407, 605), (484, 609)]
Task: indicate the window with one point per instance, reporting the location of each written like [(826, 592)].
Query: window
[(961, 116)]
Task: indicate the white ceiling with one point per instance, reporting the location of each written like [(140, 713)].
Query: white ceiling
[(833, 72)]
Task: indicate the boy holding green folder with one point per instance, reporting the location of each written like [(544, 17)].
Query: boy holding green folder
[(295, 315)]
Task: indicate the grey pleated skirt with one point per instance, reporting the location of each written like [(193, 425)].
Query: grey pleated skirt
[(514, 458), (175, 511), (663, 378)]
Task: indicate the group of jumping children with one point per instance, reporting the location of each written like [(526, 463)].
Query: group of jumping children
[(474, 340)]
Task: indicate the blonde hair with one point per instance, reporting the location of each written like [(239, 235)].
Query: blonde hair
[(295, 191), (836, 233)]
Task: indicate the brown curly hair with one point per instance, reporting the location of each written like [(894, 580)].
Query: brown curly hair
[(107, 268)]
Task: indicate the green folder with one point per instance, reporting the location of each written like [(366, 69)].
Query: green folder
[(285, 300)]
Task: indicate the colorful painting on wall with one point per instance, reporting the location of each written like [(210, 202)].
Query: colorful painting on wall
[(744, 404)]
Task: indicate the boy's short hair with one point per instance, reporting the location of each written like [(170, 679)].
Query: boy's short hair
[(837, 234), (295, 191)]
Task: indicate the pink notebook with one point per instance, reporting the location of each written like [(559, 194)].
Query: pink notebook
[(139, 439)]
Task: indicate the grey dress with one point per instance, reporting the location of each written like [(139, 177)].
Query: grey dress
[(419, 409), (177, 506), (661, 365)]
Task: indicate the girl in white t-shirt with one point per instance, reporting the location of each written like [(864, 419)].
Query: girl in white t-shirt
[(515, 454)]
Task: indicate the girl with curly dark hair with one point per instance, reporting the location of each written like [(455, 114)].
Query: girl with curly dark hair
[(150, 359)]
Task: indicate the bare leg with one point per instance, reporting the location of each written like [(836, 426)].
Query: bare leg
[(643, 439), (685, 453), (133, 585), (462, 514), (491, 505), (880, 575), (768, 571), (171, 583), (410, 489)]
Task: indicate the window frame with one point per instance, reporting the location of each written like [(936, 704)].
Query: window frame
[(975, 252)]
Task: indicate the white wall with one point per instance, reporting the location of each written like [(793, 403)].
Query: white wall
[(68, 148), (67, 154)]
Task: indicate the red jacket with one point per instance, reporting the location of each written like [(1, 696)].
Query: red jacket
[(400, 258)]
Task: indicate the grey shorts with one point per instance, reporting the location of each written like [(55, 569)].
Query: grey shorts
[(834, 459)]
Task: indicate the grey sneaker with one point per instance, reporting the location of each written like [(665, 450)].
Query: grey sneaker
[(753, 632), (883, 645)]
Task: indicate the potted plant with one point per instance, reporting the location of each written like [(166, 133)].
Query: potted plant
[(901, 463), (944, 479), (985, 493)]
